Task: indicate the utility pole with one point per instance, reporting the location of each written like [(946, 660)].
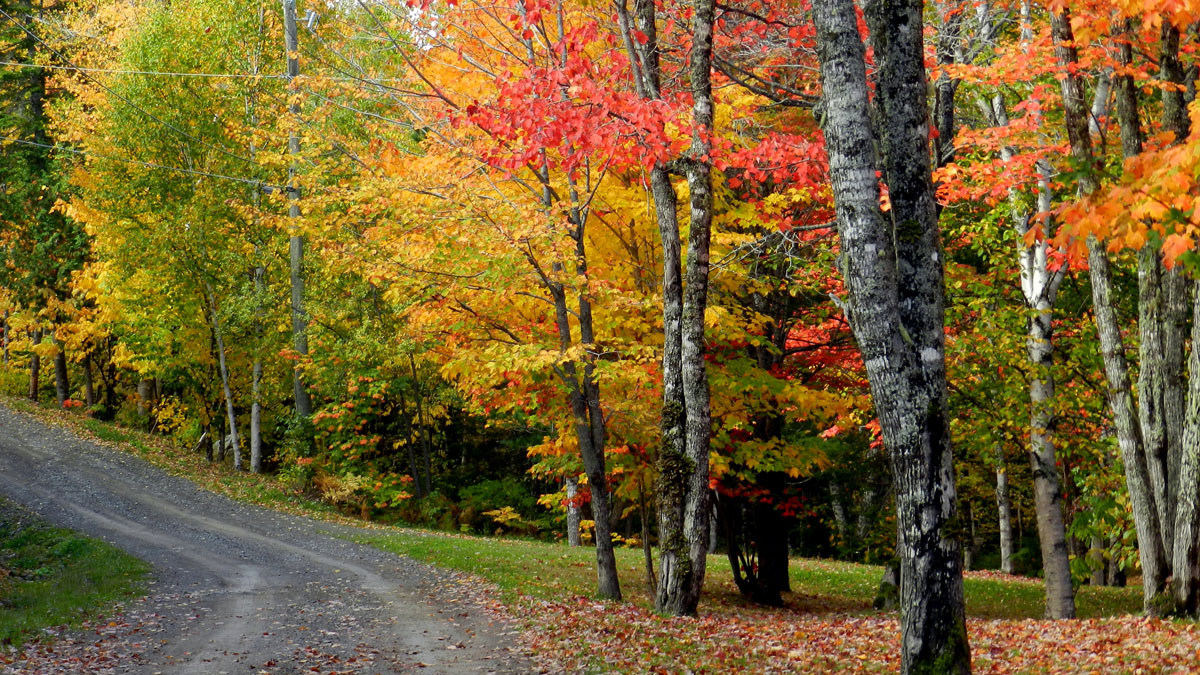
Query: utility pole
[(295, 241)]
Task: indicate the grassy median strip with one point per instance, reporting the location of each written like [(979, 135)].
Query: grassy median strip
[(51, 576)]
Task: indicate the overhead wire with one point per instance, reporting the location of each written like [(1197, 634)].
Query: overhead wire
[(124, 99), (183, 74), (153, 73), (138, 162)]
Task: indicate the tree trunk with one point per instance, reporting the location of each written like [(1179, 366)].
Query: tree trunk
[(572, 512), (62, 384), (222, 438), (1175, 288), (1154, 556), (969, 552), (841, 519), (256, 459), (1004, 510), (1186, 567), (1151, 387), (647, 550), (422, 428), (232, 417), (6, 337), (295, 242), (1116, 576), (677, 590), (772, 548), (1155, 560), (35, 367), (143, 397), (893, 272), (868, 512), (681, 574), (1052, 533), (1098, 559), (713, 525), (108, 373), (1179, 455), (1039, 287), (256, 372), (410, 444), (584, 401), (208, 447), (89, 391)]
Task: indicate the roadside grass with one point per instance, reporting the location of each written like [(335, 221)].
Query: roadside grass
[(548, 571), (827, 625), (51, 576)]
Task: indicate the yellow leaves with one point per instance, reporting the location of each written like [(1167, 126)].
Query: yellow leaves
[(45, 349), (122, 356)]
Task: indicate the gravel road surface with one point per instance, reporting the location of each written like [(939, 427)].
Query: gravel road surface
[(239, 589)]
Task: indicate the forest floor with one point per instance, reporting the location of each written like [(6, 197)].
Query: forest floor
[(827, 625), (236, 588)]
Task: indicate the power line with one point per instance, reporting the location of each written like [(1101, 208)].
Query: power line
[(166, 73), (154, 73), (150, 165), (124, 99)]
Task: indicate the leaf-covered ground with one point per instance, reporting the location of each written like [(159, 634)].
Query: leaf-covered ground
[(827, 626)]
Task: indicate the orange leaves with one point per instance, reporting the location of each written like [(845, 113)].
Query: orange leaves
[(1156, 201), (1176, 245)]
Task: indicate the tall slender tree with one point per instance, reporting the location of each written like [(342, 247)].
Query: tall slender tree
[(892, 266)]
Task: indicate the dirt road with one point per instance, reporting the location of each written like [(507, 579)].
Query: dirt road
[(239, 589)]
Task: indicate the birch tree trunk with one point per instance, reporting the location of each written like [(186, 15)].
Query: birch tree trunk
[(1056, 558), (572, 512), (233, 430), (1039, 288), (1004, 512), (893, 273), (256, 373), (1052, 531)]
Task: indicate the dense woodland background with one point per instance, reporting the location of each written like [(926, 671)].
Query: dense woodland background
[(417, 258)]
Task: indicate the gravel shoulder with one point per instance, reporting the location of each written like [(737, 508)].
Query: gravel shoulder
[(238, 588)]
